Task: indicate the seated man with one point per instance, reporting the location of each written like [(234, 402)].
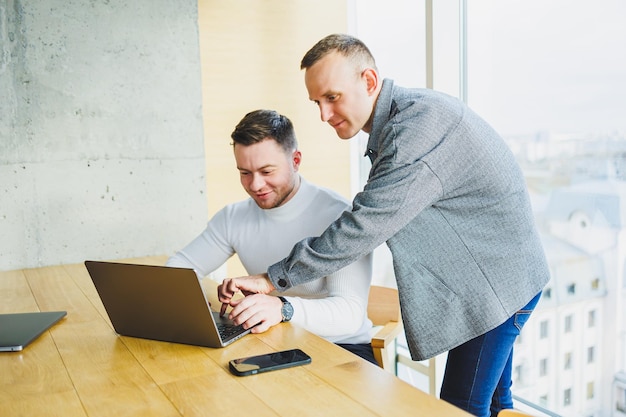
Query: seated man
[(283, 209)]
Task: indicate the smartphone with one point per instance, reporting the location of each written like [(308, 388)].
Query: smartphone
[(268, 362)]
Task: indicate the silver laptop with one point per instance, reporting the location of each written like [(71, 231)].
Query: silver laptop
[(160, 303), (17, 330)]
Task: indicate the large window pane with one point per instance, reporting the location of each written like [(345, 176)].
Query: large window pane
[(551, 77)]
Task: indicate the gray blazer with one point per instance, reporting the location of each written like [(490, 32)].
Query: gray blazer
[(448, 197)]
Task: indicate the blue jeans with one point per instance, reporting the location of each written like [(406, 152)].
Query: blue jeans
[(478, 373)]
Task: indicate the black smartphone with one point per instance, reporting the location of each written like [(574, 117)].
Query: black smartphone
[(268, 362)]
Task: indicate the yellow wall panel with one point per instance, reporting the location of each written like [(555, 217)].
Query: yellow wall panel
[(250, 53)]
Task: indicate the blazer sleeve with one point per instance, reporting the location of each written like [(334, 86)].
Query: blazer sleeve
[(397, 190)]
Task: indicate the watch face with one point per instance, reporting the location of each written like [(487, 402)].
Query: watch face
[(287, 310)]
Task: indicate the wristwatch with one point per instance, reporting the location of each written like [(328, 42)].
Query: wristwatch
[(287, 310)]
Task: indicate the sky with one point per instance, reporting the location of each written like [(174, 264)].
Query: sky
[(552, 65), (533, 65)]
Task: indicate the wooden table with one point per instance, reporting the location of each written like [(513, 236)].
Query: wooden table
[(82, 368)]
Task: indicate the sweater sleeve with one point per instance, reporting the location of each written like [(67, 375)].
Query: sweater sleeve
[(342, 315), (208, 251)]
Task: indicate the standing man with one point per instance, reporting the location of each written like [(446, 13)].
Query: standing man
[(283, 209), (448, 197)]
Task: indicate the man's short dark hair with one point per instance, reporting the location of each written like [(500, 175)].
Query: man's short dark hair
[(259, 125)]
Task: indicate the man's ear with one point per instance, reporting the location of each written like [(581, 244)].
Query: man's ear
[(297, 159), (371, 80)]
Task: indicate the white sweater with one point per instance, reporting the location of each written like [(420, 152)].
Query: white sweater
[(334, 307)]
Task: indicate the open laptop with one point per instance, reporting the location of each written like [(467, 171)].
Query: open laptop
[(17, 330), (160, 303)]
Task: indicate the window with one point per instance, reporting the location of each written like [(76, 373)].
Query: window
[(567, 361), (567, 327), (562, 116), (590, 390), (595, 284), (518, 80), (567, 397), (543, 329), (517, 374), (571, 289), (590, 354), (543, 367), (620, 399), (580, 219), (591, 318), (547, 293)]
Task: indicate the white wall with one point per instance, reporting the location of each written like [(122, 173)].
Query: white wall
[(101, 148)]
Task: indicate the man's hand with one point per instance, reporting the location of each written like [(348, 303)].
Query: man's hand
[(254, 284), (261, 309)]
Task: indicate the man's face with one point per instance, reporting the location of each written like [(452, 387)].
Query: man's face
[(267, 173), (341, 94)]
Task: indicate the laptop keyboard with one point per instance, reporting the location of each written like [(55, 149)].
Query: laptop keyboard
[(227, 330)]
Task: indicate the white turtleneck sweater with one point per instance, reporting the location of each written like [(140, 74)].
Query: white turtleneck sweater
[(334, 307)]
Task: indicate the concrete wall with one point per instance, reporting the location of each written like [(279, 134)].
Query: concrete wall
[(101, 147)]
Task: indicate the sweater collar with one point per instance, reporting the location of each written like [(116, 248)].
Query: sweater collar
[(295, 206)]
